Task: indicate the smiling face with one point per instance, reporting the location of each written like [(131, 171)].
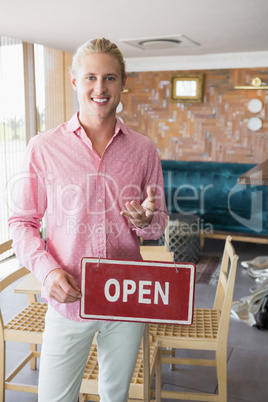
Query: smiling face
[(98, 83)]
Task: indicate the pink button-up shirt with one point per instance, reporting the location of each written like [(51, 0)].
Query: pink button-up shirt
[(81, 196)]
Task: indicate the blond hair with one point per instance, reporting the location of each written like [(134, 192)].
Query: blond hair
[(102, 45)]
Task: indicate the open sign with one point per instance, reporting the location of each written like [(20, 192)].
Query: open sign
[(140, 291)]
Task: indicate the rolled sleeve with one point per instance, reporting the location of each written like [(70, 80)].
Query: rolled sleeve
[(156, 227)]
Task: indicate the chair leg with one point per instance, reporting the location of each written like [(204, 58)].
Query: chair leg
[(2, 371), (172, 354), (158, 379), (33, 348), (221, 357), (146, 364)]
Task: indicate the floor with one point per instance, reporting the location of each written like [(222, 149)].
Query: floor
[(247, 346)]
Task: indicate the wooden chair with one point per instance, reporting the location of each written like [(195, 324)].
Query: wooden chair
[(27, 327), (148, 363), (209, 331)]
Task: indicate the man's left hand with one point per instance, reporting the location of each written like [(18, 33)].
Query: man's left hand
[(141, 215)]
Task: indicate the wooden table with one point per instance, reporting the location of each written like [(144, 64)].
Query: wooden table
[(29, 285), (257, 175), (156, 253)]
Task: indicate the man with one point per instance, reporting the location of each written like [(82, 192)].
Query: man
[(101, 187)]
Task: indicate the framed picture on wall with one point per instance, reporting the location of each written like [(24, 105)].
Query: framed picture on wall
[(187, 88)]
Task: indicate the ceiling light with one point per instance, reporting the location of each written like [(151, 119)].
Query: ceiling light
[(160, 43)]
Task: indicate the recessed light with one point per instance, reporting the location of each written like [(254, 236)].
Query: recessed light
[(161, 43)]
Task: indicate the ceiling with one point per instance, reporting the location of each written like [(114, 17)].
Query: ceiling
[(218, 26)]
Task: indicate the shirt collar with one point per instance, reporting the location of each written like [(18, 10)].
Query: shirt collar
[(74, 124), (119, 126)]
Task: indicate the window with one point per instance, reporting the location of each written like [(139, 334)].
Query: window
[(54, 93), (12, 120), (35, 95)]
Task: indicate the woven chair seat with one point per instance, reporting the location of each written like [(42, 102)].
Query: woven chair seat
[(30, 320), (92, 368), (205, 326)]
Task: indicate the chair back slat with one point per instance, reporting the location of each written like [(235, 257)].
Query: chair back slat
[(13, 276), (221, 289), (228, 253), (5, 246), (227, 304), (225, 288)]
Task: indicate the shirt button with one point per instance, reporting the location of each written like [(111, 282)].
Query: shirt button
[(100, 200)]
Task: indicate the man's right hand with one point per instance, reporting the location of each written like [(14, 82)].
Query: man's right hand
[(62, 287)]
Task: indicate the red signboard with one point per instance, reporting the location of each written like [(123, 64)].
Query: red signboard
[(140, 291)]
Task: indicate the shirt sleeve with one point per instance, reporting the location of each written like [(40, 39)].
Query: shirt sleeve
[(154, 178), (28, 205)]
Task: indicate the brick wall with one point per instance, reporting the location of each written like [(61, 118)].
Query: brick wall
[(215, 130)]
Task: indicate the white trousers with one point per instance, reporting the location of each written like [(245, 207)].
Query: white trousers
[(65, 350)]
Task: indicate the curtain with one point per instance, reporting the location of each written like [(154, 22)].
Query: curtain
[(12, 121)]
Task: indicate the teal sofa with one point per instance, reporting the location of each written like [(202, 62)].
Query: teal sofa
[(210, 191)]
